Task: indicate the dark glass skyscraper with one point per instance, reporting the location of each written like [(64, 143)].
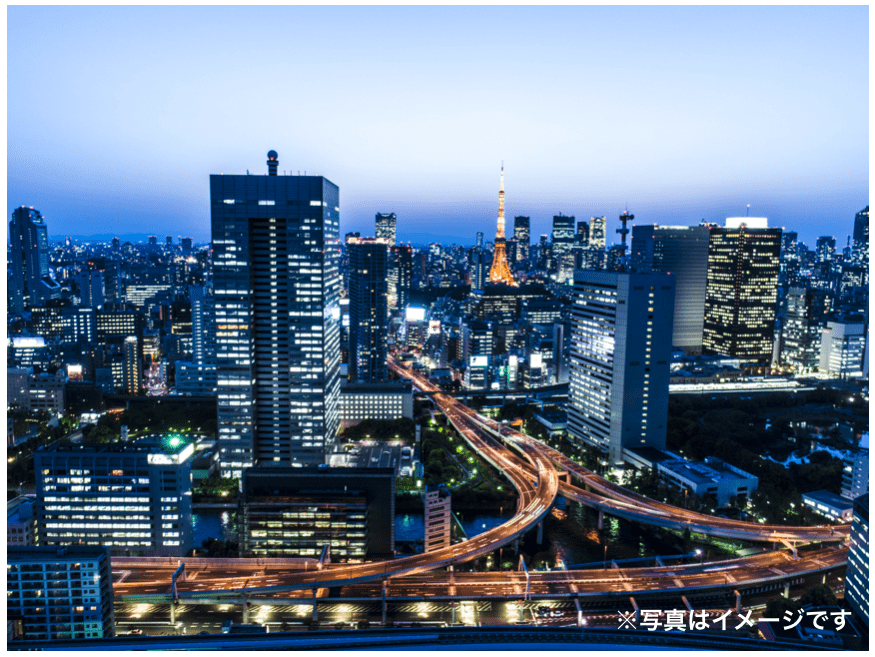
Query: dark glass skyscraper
[(368, 309), (29, 244), (861, 237), (400, 276), (682, 251), (741, 294), (276, 277)]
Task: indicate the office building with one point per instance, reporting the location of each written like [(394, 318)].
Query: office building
[(829, 505), (857, 579), (581, 237), (389, 400), (60, 592), (861, 238), (296, 512), (400, 277), (185, 244), (196, 380), (842, 346), (368, 309), (522, 235), (91, 288), (855, 473), (203, 325), (30, 283), (713, 478), (563, 235), (802, 327), (682, 251), (741, 294), (385, 225), (133, 498), (276, 278), (21, 521), (438, 517), (133, 373), (825, 248), (621, 327)]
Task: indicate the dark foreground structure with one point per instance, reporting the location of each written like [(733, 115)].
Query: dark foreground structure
[(463, 638)]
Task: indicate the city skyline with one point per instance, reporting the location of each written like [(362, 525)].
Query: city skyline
[(700, 131)]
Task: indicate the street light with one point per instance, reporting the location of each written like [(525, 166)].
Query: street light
[(606, 558), (700, 555)]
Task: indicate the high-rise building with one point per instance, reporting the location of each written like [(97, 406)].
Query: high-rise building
[(60, 592), (296, 512), (621, 327), (857, 579), (203, 325), (91, 288), (682, 251), (596, 249), (438, 517), (500, 272), (826, 248), (523, 237), (386, 227), (563, 234), (855, 472), (741, 295), (185, 244), (116, 245), (861, 237), (842, 346), (479, 241), (368, 309), (400, 277), (30, 283), (133, 376), (276, 277), (133, 498), (581, 237), (802, 327)]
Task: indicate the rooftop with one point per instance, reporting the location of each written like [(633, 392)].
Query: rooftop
[(701, 473), (830, 499)]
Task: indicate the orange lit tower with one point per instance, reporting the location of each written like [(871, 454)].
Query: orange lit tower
[(500, 272)]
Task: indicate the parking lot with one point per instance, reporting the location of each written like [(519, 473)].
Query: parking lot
[(369, 455)]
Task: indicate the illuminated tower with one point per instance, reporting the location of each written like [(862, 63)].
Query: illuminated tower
[(500, 272)]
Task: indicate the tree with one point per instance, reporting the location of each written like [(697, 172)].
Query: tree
[(777, 607), (819, 596)]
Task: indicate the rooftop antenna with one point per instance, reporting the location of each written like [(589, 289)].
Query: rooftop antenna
[(625, 217)]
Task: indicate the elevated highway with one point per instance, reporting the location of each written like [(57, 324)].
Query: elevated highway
[(607, 497)]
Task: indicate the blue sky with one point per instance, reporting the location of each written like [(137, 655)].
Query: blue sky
[(117, 116)]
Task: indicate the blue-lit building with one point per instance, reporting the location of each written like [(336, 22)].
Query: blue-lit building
[(60, 592), (621, 330), (276, 278), (857, 580), (368, 308), (132, 498), (30, 283)]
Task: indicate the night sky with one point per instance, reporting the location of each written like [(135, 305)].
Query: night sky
[(117, 116)]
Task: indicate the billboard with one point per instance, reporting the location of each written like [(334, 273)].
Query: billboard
[(415, 314)]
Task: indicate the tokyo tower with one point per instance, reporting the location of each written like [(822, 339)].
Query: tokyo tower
[(500, 272)]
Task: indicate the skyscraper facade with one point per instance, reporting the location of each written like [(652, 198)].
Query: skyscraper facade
[(276, 277), (682, 251), (803, 326), (368, 309), (29, 249), (857, 580), (523, 236), (385, 227), (621, 331), (861, 238), (203, 325), (741, 294), (133, 375), (400, 277), (596, 249)]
